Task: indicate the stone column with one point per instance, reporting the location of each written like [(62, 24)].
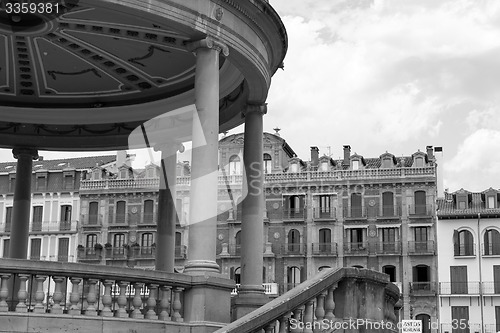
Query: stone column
[(167, 214), (22, 203), (251, 292), (204, 172)]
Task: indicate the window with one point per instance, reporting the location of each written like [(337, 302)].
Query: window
[(463, 243), (294, 168), (491, 201), (146, 243), (389, 240), (295, 207), (293, 241), (8, 219), (460, 314), (148, 211), (491, 242), (120, 212), (458, 278), (237, 242), (421, 278), (123, 174), (387, 162), (419, 162), (355, 165), (12, 183), (96, 174), (179, 209), (35, 248), (420, 239), (234, 165), (41, 182), (268, 166), (68, 182), (388, 204), (93, 212), (65, 213), (324, 205), (496, 278), (150, 173), (324, 166), (356, 238), (62, 252), (179, 251), (91, 241), (294, 277), (420, 203), (391, 271), (37, 218), (325, 240), (356, 207), (237, 275), (6, 244), (118, 242)]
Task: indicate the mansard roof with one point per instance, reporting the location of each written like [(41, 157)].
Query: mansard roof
[(78, 163)]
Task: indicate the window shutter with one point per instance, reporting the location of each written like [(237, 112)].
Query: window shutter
[(456, 244), (302, 274), (495, 240), (231, 273)]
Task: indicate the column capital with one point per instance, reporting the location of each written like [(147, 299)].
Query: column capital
[(169, 148), (209, 43), (260, 108), (21, 151)]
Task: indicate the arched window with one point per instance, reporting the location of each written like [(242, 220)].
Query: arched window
[(93, 212), (268, 166), (234, 165), (419, 162), (293, 241), (426, 322), (237, 275), (323, 267), (463, 243), (294, 277), (148, 211), (491, 242), (387, 204), (237, 241), (120, 212)]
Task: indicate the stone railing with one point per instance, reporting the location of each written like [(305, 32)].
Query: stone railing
[(269, 178), (70, 294), (333, 300)]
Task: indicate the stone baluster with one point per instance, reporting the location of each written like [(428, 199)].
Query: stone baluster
[(176, 305), (309, 316), (121, 312), (39, 295), (137, 301), (74, 297), (22, 294), (320, 309), (151, 302), (91, 298), (269, 328), (57, 297), (164, 303), (330, 304), (283, 322), (4, 292), (107, 299), (297, 319)]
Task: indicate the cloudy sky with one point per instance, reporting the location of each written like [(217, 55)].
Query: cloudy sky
[(391, 75)]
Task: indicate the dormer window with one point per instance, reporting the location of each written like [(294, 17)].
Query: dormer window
[(490, 202), (355, 165), (294, 168), (324, 166), (123, 174), (234, 165), (268, 166), (96, 174), (419, 162), (150, 173)]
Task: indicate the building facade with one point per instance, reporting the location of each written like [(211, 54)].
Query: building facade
[(376, 213), (469, 261)]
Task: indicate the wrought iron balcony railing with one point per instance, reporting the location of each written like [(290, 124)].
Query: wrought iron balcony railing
[(356, 248), (324, 213), (423, 287), (388, 248), (456, 288), (324, 249), (425, 247), (420, 210)]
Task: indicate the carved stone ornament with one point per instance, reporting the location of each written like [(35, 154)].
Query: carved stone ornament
[(218, 13), (276, 235)]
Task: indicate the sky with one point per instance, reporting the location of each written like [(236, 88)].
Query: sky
[(389, 75)]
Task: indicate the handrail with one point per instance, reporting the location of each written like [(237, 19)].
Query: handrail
[(326, 280)]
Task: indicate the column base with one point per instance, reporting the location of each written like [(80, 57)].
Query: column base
[(248, 300), (200, 267)]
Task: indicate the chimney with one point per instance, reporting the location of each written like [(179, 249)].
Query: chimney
[(438, 152), (347, 155), (314, 156), (430, 153)]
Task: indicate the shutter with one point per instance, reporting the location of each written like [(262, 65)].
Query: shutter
[(495, 240), (456, 244), (62, 253), (231, 273), (303, 275), (496, 278)]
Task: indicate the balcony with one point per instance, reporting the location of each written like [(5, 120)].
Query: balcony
[(388, 248), (180, 251), (54, 227), (293, 249), (355, 249), (492, 249), (89, 254), (459, 288), (464, 250), (422, 211), (292, 215), (324, 214), (234, 250), (270, 289), (81, 297), (423, 288), (387, 212), (421, 248), (116, 253), (354, 213), (93, 220), (491, 288), (115, 184), (324, 249), (464, 326)]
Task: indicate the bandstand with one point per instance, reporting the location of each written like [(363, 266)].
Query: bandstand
[(87, 75)]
